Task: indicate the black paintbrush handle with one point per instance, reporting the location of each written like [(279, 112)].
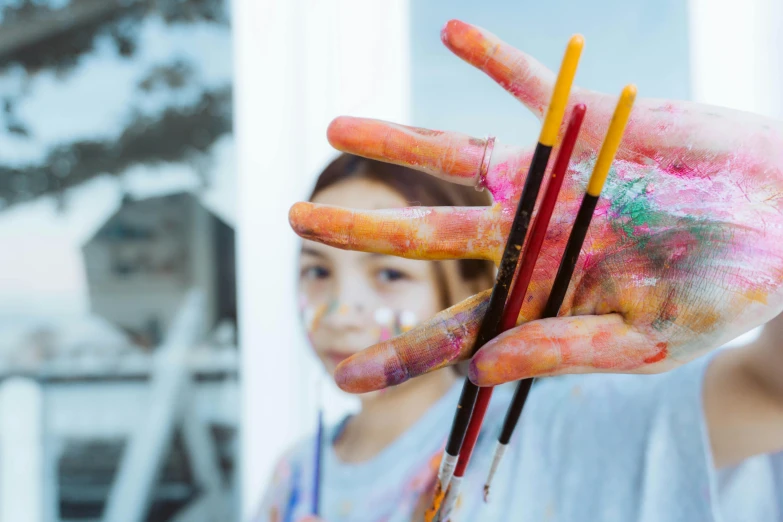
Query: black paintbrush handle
[(570, 256), (553, 304), (490, 325), (515, 410)]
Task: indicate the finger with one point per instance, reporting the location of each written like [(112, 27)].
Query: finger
[(445, 339), (412, 232), (447, 155), (450, 156), (521, 75), (581, 344)]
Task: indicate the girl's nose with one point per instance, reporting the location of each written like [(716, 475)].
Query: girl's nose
[(349, 308), (341, 314)]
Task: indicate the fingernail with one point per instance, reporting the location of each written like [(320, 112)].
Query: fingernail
[(483, 371), (454, 33), (321, 223), (298, 217), (340, 132)]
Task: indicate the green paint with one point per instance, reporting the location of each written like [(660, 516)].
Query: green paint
[(631, 206)]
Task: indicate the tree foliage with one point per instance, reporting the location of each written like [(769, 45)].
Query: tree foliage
[(38, 36)]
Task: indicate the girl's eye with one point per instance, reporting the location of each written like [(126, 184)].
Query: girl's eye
[(315, 272), (390, 275)]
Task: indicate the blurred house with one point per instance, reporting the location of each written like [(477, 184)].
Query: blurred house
[(140, 266), (146, 256)]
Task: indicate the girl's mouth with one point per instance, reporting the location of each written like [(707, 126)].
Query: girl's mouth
[(336, 357)]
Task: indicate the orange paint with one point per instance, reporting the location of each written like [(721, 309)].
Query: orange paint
[(756, 294), (409, 146), (429, 516), (412, 232)]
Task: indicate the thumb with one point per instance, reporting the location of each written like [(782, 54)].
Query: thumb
[(524, 77), (563, 345)]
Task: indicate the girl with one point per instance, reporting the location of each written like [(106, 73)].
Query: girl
[(684, 254), (380, 464)]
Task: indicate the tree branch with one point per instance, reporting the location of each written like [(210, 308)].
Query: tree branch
[(176, 136)]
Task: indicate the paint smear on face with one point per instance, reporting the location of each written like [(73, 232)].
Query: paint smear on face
[(311, 315), (392, 323)]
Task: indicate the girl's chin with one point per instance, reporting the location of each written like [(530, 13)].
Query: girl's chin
[(370, 396), (331, 361)]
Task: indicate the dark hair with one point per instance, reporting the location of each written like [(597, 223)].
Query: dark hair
[(418, 189)]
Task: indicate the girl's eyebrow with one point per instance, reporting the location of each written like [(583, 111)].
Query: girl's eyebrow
[(317, 253), (313, 252), (369, 257)]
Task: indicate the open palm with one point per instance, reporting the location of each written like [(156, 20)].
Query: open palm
[(685, 250)]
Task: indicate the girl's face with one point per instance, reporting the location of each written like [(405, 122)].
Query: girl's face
[(352, 300)]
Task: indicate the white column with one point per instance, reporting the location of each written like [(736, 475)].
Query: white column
[(299, 63), (737, 54), (22, 474)]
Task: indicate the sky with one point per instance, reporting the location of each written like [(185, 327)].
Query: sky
[(626, 41)]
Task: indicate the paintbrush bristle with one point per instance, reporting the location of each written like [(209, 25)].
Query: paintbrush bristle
[(429, 516)]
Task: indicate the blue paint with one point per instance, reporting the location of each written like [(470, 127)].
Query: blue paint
[(293, 499), (317, 464)]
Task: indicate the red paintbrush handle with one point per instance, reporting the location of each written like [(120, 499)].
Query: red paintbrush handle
[(538, 232), (474, 428)]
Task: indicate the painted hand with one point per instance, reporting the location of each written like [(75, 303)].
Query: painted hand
[(685, 250)]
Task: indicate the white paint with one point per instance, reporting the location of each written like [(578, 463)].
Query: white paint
[(408, 319), (299, 64), (500, 450), (384, 316)]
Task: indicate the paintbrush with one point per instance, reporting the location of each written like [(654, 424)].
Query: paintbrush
[(562, 280), (318, 461), (491, 323), (518, 292)]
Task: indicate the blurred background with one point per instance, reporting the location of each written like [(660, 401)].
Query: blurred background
[(118, 354), (141, 140)]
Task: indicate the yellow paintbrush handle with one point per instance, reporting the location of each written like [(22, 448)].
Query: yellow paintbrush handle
[(612, 141), (557, 107)]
